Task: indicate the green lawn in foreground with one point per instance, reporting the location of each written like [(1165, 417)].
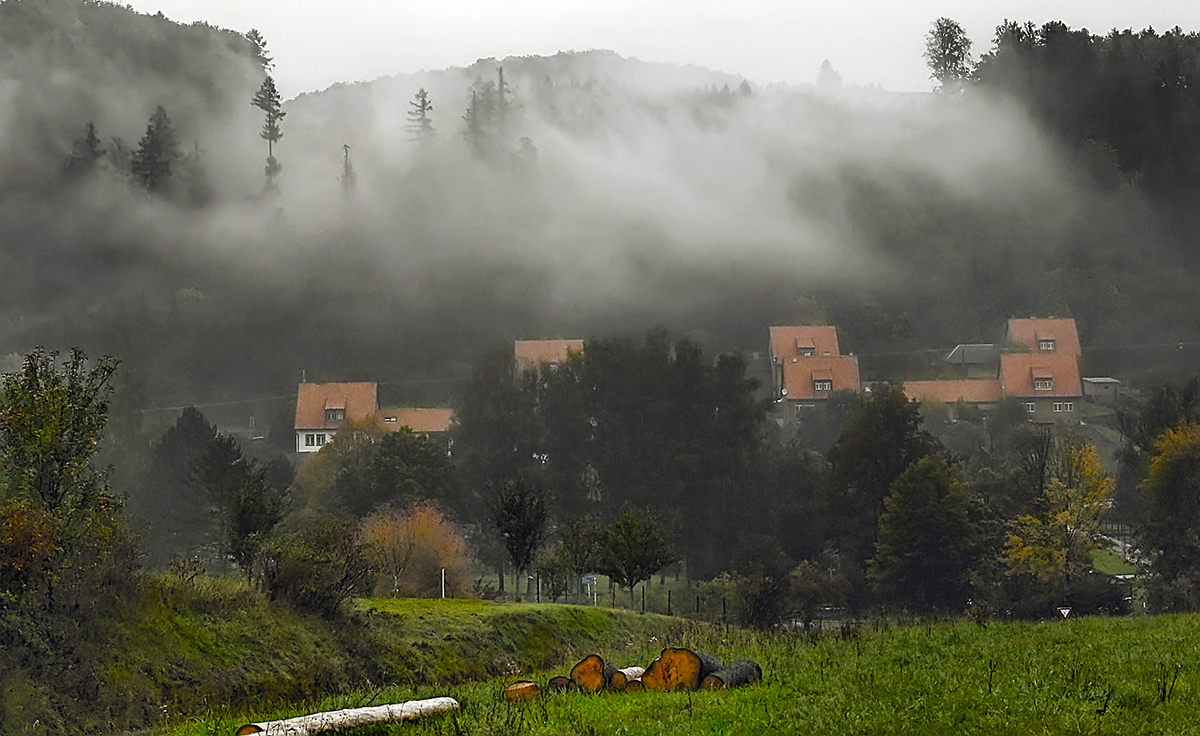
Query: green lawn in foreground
[(1089, 675)]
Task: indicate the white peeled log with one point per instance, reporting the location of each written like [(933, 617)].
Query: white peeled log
[(349, 718)]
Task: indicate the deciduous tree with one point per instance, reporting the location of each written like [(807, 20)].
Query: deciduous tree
[(948, 54), (635, 545), (1170, 531), (928, 539), (1052, 543), (520, 511)]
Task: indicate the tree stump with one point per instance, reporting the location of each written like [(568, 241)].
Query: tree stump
[(592, 674), (519, 692), (678, 669), (560, 684)]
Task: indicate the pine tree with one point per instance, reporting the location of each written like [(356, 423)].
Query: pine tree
[(268, 100), (157, 153), (420, 127)]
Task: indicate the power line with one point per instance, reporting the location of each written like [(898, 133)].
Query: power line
[(288, 396), (216, 403)]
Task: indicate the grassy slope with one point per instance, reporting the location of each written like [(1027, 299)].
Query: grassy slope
[(1092, 675), (175, 651)]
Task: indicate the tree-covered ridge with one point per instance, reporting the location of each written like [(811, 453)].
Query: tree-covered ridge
[(1127, 101), (71, 61)]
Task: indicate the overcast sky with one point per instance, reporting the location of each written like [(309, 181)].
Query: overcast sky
[(319, 42)]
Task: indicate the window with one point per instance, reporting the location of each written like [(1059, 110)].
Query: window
[(320, 440), (807, 352), (1069, 406), (335, 415), (1030, 407), (389, 420), (310, 440), (822, 385), (1046, 344), (1043, 384), (1058, 406)]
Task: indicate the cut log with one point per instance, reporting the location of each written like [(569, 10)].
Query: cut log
[(623, 676), (561, 684), (592, 673), (740, 672), (519, 692), (677, 669), (635, 686), (339, 720), (708, 665)]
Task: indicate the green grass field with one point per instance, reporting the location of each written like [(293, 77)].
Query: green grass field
[(1085, 676)]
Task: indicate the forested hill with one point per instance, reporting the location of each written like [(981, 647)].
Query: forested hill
[(582, 194), (66, 62), (1127, 101)]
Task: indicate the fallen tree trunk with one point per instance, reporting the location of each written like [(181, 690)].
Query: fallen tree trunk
[(521, 691), (338, 720), (622, 677), (678, 669), (740, 672), (592, 674)]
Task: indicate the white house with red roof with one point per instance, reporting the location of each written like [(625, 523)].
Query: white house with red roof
[(807, 365), (322, 407), (1039, 366)]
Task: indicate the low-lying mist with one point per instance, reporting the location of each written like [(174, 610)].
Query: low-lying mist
[(645, 195)]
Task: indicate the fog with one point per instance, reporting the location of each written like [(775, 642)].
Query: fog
[(661, 196)]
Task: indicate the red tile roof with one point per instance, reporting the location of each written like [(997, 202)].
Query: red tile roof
[(1029, 332), (1018, 371), (532, 353), (425, 421), (788, 341), (360, 400), (970, 391), (798, 375)]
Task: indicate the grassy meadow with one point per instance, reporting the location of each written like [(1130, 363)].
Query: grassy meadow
[(1076, 676)]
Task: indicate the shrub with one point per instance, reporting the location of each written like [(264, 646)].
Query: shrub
[(410, 547), (317, 570)]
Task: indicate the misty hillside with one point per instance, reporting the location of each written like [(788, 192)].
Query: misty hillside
[(609, 197)]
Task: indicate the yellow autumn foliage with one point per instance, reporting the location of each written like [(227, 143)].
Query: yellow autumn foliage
[(1054, 542)]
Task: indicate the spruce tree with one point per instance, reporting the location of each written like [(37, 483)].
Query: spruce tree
[(85, 152), (157, 153), (420, 127), (268, 100)]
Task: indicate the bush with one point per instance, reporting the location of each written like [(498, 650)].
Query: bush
[(317, 570), (409, 549)]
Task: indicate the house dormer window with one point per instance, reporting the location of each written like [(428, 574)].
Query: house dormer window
[(335, 415), (1043, 384), (822, 385), (807, 352), (1046, 344)]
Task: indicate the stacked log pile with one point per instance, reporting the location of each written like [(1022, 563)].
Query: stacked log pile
[(674, 669)]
